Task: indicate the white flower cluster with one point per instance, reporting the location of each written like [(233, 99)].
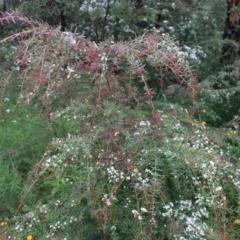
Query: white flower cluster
[(54, 161), (194, 53), (114, 175), (198, 140), (140, 181), (108, 199), (137, 214), (208, 170), (44, 209), (128, 201), (55, 227), (236, 178), (142, 128), (69, 38), (94, 6), (169, 210), (30, 219), (103, 59), (189, 216)]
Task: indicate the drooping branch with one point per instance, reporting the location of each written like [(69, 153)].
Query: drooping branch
[(24, 25)]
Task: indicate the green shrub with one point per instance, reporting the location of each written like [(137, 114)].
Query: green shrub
[(120, 160)]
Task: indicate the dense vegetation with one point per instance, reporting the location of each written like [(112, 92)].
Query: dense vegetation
[(119, 120)]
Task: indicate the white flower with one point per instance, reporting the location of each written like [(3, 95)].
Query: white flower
[(135, 212), (108, 202), (70, 70), (218, 189), (212, 163), (144, 123), (113, 228), (116, 133), (136, 134), (143, 209)]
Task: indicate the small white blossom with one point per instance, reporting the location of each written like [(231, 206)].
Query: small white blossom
[(143, 209), (144, 123), (218, 189)]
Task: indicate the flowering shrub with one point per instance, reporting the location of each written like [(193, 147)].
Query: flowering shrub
[(120, 161)]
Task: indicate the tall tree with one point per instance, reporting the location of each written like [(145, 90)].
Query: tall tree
[(60, 4), (4, 7), (231, 32)]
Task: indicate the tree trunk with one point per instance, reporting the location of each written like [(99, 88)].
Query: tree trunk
[(62, 16), (4, 8)]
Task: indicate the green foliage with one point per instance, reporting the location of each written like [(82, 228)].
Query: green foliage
[(10, 188), (197, 25), (24, 136), (221, 92), (7, 52), (99, 20)]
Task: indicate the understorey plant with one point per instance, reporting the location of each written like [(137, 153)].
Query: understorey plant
[(120, 161)]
